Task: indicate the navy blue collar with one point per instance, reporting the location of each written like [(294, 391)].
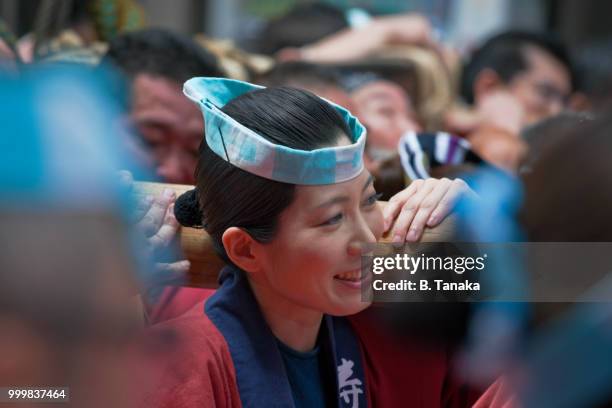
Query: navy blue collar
[(260, 373)]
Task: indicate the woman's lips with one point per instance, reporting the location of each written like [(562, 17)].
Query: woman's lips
[(353, 279)]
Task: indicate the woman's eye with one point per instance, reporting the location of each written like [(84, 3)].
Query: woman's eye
[(333, 220), (371, 200)]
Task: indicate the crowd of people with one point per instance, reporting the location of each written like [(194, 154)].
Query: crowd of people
[(288, 150)]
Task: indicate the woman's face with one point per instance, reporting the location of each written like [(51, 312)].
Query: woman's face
[(314, 261)]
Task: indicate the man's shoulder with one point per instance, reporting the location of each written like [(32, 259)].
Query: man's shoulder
[(192, 329), (193, 363)]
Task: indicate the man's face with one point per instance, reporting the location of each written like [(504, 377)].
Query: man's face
[(385, 109), (170, 125), (543, 88)]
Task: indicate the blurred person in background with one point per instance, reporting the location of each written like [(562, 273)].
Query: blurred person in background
[(156, 63), (387, 112), (492, 129), (68, 309), (594, 77), (385, 109), (329, 82), (70, 264), (391, 97), (513, 80), (382, 106), (62, 26), (532, 69), (318, 32), (563, 358), (353, 43), (322, 80), (547, 133), (304, 24), (567, 359)]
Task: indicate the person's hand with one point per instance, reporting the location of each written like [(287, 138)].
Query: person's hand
[(159, 226), (355, 43), (154, 218), (424, 203), (405, 29)]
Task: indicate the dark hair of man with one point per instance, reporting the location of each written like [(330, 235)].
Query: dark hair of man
[(302, 25), (548, 133), (505, 54), (567, 188), (161, 53), (594, 71), (226, 196)]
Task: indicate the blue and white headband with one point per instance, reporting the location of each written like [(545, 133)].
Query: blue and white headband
[(251, 152)]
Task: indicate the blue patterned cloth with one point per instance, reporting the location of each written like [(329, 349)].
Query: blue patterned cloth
[(251, 152)]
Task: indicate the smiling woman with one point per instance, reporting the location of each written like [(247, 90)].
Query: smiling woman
[(273, 333)]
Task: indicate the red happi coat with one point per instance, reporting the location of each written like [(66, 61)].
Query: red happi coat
[(226, 356)]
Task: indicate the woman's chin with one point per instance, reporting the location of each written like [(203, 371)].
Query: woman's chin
[(350, 308)]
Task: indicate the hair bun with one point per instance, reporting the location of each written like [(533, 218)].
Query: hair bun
[(187, 210)]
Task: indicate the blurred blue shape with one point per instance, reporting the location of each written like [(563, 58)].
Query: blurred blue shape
[(492, 218), (569, 363), (62, 140), (21, 168), (497, 325), (62, 145)]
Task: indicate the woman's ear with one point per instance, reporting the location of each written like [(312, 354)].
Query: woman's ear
[(486, 82), (241, 249)]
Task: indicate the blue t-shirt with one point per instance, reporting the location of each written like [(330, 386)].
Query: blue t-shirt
[(305, 376)]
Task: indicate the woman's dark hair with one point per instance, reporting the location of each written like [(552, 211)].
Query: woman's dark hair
[(226, 196)]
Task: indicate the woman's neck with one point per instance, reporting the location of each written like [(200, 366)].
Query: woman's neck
[(296, 326)]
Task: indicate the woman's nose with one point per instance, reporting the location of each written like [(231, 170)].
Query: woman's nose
[(363, 239), (357, 248)]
